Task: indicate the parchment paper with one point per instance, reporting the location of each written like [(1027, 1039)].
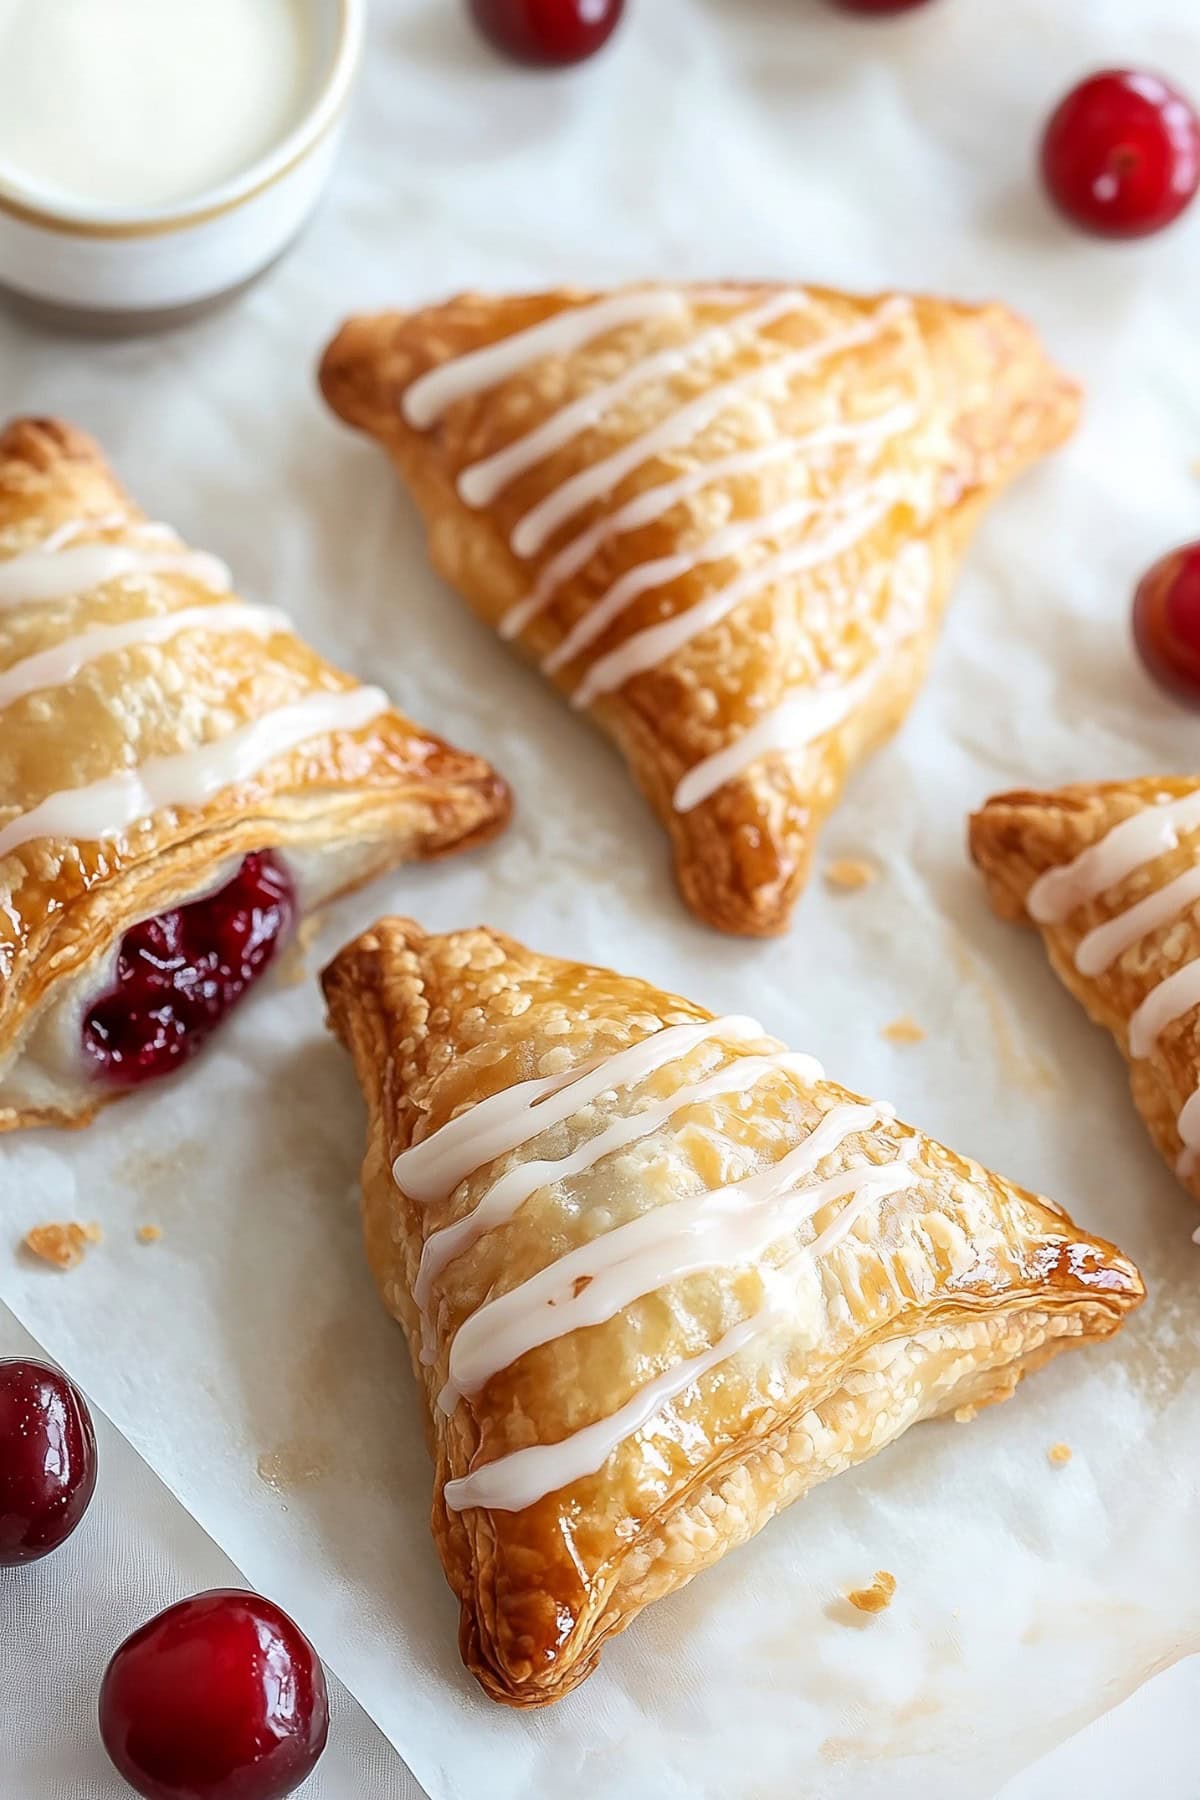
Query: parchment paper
[(244, 1354)]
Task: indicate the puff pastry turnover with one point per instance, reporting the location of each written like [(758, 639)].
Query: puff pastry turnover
[(723, 520), (171, 759), (1109, 872), (659, 1278)]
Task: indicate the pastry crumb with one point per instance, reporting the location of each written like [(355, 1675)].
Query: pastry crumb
[(850, 872), (876, 1598), (904, 1030), (1059, 1454), (62, 1245), (149, 1234), (964, 1414)]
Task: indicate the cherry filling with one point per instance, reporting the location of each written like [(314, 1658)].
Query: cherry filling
[(180, 973)]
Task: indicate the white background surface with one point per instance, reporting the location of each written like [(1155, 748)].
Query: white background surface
[(716, 139)]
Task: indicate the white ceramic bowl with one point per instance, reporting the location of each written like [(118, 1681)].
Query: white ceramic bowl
[(133, 268)]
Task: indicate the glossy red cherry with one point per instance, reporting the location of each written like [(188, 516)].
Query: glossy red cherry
[(547, 33), (47, 1460), (220, 1697), (1166, 622), (180, 973), (877, 6), (1121, 154)]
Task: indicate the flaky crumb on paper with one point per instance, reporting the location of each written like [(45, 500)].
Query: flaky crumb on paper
[(62, 1245), (1059, 1454), (964, 1414), (904, 1030), (149, 1234), (876, 1598), (851, 872)]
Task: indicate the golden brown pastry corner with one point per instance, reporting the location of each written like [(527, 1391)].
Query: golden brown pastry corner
[(45, 457), (387, 789), (1017, 836)]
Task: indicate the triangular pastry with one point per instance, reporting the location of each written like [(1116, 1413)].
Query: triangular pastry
[(180, 777), (659, 1277), (724, 521), (1109, 872)]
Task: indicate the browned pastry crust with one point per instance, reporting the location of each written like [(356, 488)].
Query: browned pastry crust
[(984, 403), (351, 802), (1018, 837), (935, 1301)]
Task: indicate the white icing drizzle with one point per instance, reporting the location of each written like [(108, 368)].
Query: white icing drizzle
[(1101, 947), (799, 720), (426, 399), (523, 1477), (504, 1199), (646, 649), (73, 529), (481, 482), (640, 580), (730, 1225), (1130, 846), (807, 714), (601, 478), (1162, 1006), (62, 662), (106, 808), (58, 572), (653, 502), (507, 1120)]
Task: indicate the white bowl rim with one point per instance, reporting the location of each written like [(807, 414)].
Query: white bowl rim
[(37, 205)]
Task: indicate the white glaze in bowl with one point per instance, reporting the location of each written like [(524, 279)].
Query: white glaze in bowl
[(124, 267)]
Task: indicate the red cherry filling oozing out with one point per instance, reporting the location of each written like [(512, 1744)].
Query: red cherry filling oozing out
[(1166, 622), (1121, 155), (47, 1460), (547, 33), (180, 973), (220, 1697)]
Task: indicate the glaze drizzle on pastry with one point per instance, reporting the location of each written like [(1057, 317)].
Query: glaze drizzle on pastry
[(63, 662), (723, 1226), (104, 809), (62, 567), (181, 778), (736, 1302), (1129, 847), (691, 514), (847, 519)]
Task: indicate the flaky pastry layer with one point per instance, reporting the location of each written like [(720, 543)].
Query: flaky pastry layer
[(889, 1281), (1017, 839), (346, 803), (847, 444)]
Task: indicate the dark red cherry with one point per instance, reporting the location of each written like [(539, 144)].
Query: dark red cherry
[(220, 1697), (178, 974), (1121, 154), (877, 6), (47, 1460), (547, 33), (1166, 622)]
